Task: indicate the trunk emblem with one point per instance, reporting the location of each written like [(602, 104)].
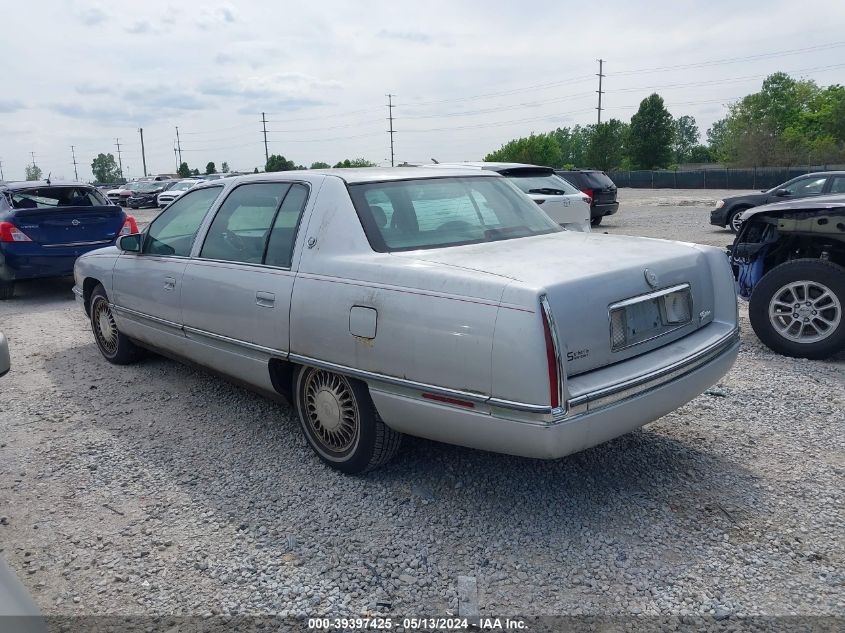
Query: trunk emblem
[(651, 277), (75, 222)]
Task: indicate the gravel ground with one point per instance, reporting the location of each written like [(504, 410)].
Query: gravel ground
[(160, 489)]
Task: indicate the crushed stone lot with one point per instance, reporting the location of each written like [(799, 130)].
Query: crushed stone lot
[(159, 488)]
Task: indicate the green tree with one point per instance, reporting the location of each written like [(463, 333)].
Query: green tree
[(184, 171), (573, 143), (105, 168), (686, 138), (536, 149), (195, 172), (277, 162), (319, 165), (224, 168), (33, 172), (651, 134), (606, 145), (210, 168), (355, 162), (255, 171)]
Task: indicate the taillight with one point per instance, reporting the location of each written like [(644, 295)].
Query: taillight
[(130, 227), (10, 233), (551, 354), (589, 194)]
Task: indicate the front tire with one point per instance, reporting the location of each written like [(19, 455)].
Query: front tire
[(341, 423), (734, 223), (797, 309), (114, 345), (7, 290)]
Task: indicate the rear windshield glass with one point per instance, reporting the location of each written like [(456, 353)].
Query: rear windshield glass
[(542, 184), (436, 212), (589, 179), (51, 197)]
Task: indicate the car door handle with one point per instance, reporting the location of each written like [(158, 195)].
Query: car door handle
[(265, 299), (170, 283)]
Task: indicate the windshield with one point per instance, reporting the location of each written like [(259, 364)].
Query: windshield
[(50, 197), (183, 186), (543, 184), (436, 212)]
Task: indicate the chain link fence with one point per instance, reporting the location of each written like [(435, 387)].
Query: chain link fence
[(718, 178)]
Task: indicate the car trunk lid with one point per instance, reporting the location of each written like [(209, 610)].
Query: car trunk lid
[(583, 276), (70, 225)]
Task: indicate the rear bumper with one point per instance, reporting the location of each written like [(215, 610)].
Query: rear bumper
[(601, 209), (599, 422), (28, 261)]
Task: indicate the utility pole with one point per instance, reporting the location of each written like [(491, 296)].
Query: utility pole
[(390, 107), (264, 126), (75, 173), (1, 171), (33, 158), (143, 155), (178, 145), (175, 156), (119, 159), (601, 74)]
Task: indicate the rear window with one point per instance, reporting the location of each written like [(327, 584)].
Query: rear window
[(588, 179), (542, 184), (437, 212), (54, 197)]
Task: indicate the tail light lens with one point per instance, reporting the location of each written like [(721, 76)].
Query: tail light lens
[(130, 227), (551, 353), (10, 233), (589, 194)]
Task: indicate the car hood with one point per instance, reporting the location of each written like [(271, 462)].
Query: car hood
[(818, 202)]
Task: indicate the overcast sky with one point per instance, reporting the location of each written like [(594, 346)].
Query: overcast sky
[(468, 76)]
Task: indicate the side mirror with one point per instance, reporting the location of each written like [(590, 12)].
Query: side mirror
[(780, 193), (130, 243)]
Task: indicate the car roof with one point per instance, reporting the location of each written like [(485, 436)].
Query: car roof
[(493, 166), (810, 202), (33, 184), (355, 175)]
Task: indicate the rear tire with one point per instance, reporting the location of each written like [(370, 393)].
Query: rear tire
[(596, 221), (7, 290), (341, 423), (114, 345), (797, 309)]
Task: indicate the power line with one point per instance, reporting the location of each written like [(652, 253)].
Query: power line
[(264, 126), (391, 131), (601, 64), (119, 158), (178, 145), (73, 153)]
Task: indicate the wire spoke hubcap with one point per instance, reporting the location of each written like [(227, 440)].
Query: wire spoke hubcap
[(805, 311), (331, 410), (105, 327), (736, 222)]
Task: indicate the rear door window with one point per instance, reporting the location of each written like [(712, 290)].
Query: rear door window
[(837, 184)]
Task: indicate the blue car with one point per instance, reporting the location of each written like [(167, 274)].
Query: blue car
[(45, 226)]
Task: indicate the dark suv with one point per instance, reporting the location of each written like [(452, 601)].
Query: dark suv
[(598, 186)]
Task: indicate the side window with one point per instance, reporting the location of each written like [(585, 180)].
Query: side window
[(241, 228), (837, 184), (283, 235), (806, 186), (173, 232)]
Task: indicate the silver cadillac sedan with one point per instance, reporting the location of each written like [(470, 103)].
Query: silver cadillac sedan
[(438, 303)]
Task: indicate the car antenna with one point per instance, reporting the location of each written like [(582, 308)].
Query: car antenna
[(435, 161)]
